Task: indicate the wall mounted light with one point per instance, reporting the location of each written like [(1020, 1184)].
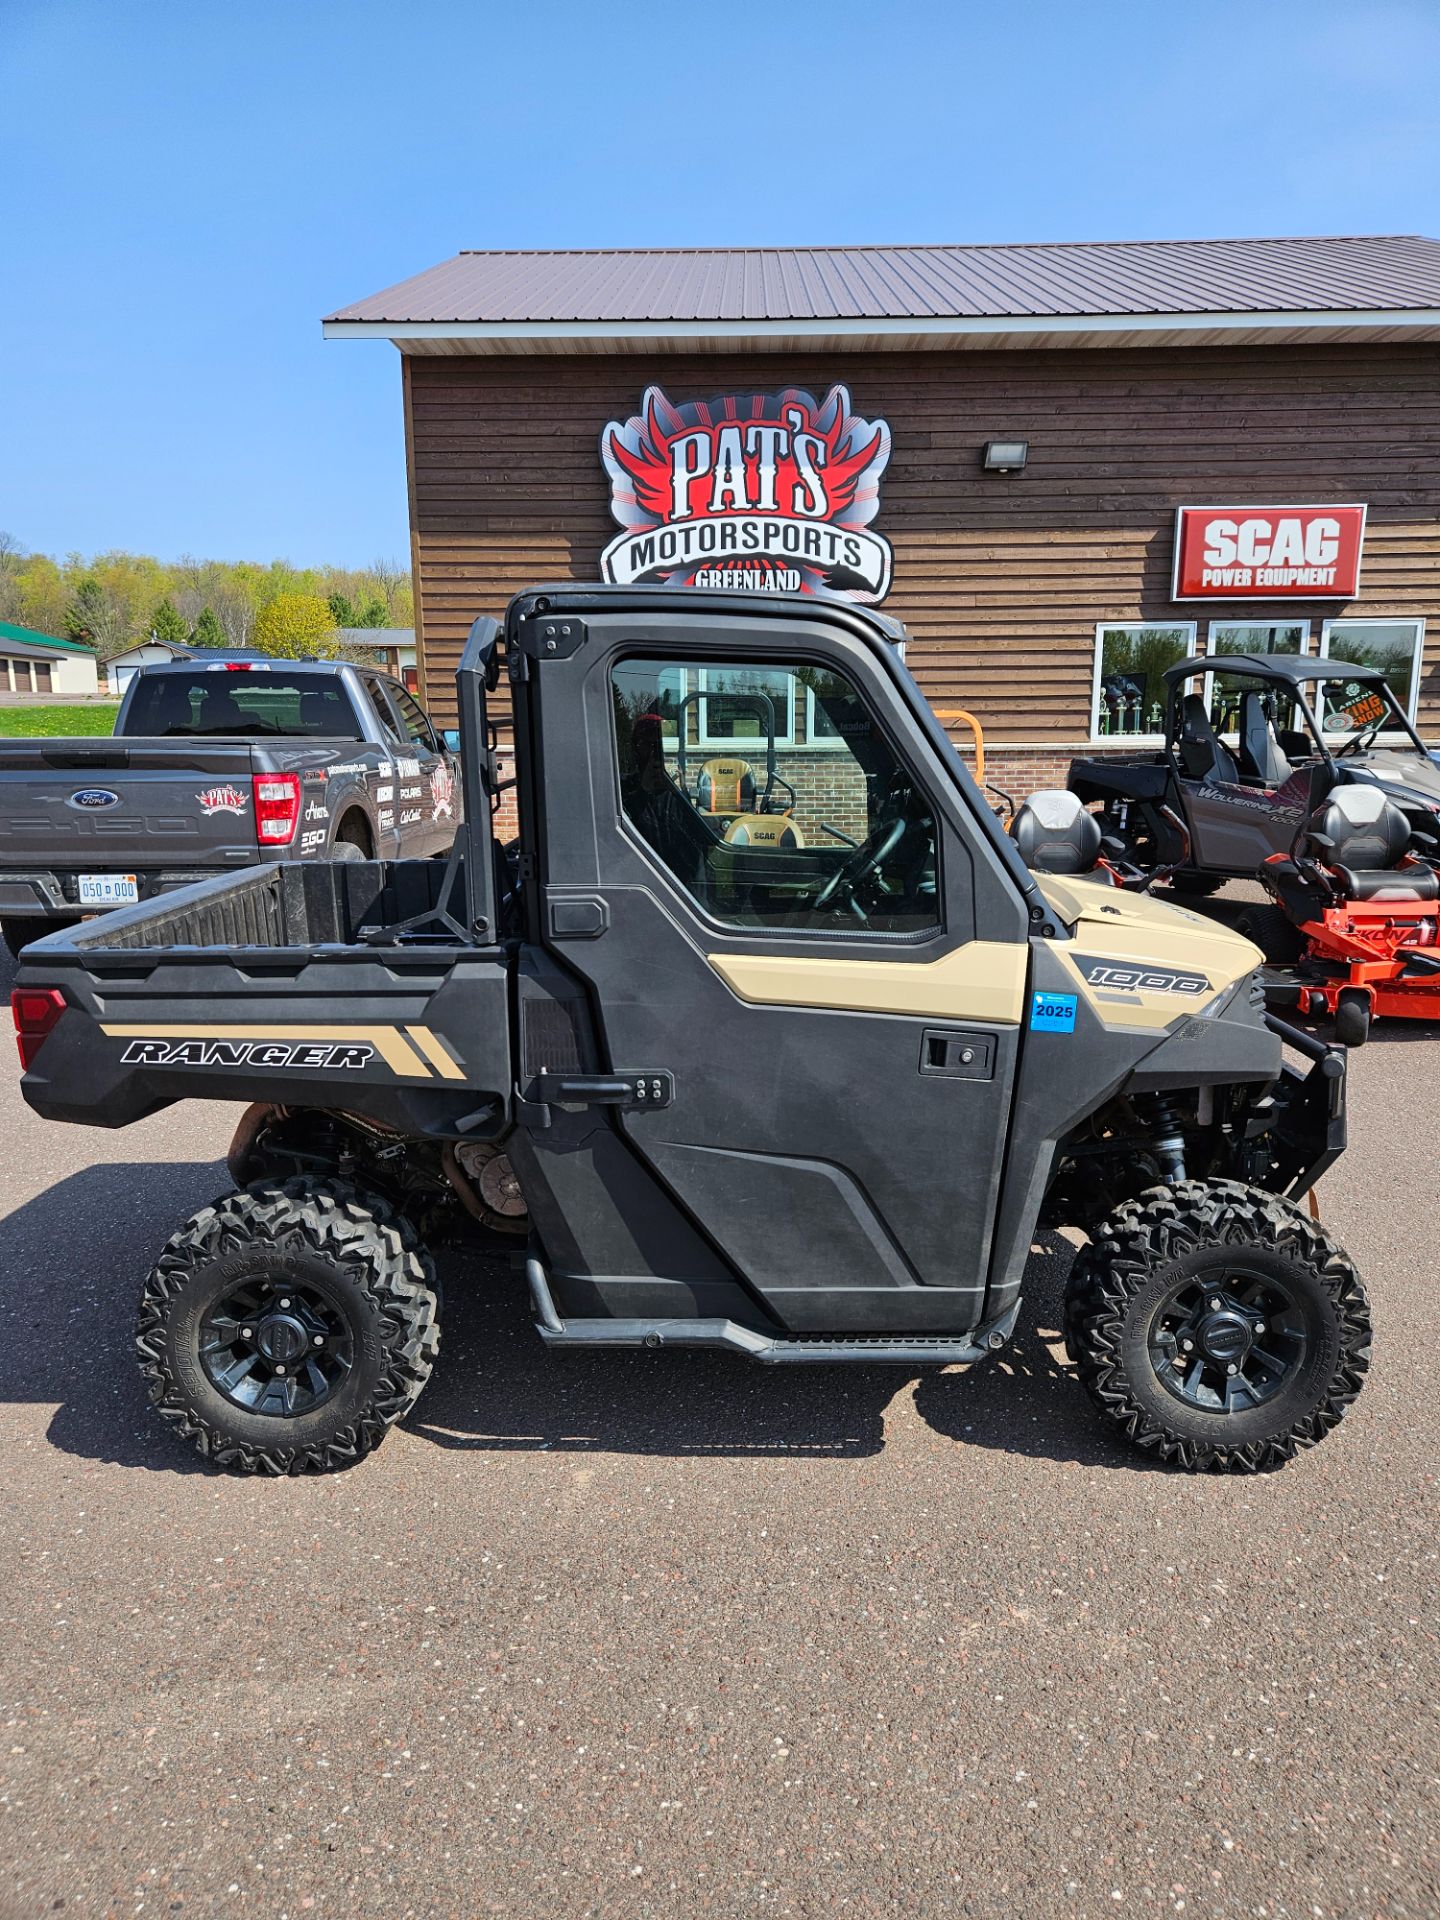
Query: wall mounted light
[(1005, 456)]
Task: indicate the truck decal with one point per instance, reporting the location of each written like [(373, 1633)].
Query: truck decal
[(415, 1053), (225, 799)]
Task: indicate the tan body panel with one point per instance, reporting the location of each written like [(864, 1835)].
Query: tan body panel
[(983, 980)]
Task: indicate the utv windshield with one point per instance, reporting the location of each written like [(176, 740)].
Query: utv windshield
[(217, 702)]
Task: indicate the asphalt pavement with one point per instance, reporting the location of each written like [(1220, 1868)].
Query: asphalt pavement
[(670, 1635)]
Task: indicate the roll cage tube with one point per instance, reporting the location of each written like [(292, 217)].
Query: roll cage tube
[(477, 674)]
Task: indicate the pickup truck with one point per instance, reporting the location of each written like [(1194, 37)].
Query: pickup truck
[(791, 1071), (213, 766)]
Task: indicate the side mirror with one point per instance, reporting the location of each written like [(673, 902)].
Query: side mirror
[(451, 737)]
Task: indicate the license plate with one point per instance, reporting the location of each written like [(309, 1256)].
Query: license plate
[(108, 889)]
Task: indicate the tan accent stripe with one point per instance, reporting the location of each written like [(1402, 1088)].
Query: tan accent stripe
[(388, 1042), (434, 1050), (984, 980)]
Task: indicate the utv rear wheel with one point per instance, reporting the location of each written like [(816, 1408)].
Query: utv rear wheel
[(1197, 883), (1218, 1325), (286, 1328), (1273, 931)]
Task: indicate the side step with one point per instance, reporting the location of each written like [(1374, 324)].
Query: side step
[(906, 1350)]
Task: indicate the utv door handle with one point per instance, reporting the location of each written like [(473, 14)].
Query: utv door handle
[(639, 1089)]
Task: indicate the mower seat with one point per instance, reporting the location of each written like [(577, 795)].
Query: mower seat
[(1054, 833), (1363, 839), (1260, 755), (726, 786), (1201, 754)]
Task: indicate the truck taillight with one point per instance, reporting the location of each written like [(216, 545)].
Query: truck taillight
[(35, 1011), (277, 808)]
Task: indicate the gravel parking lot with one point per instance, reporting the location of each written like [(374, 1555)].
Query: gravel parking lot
[(667, 1635)]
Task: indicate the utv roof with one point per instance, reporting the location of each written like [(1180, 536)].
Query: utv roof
[(1293, 667), (598, 594)]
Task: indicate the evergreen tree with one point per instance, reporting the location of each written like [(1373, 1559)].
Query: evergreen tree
[(167, 625), (341, 611), (208, 631)]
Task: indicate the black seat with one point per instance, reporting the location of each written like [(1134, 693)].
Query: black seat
[(1201, 754), (1260, 755), (1362, 836), (1055, 834)]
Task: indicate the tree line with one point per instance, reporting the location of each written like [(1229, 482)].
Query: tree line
[(113, 600)]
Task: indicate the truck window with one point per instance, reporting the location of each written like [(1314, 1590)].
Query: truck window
[(384, 712), (772, 795), (250, 705), (416, 724)]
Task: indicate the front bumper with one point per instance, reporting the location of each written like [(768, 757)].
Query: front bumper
[(1308, 1131)]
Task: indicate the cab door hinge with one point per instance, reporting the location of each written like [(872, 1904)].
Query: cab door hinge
[(551, 636)]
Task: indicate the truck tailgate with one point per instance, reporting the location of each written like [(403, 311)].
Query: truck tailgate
[(111, 804)]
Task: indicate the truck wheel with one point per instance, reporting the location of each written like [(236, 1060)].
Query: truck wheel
[(1274, 932), (285, 1328), (1218, 1325)]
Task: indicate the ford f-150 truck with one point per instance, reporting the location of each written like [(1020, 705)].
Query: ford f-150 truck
[(213, 766)]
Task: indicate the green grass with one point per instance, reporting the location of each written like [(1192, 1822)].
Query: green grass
[(56, 720)]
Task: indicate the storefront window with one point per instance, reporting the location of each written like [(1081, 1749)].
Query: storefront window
[(1223, 690), (1394, 646), (1130, 664), (732, 716)]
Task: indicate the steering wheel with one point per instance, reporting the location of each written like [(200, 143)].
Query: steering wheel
[(874, 850), (1360, 740)]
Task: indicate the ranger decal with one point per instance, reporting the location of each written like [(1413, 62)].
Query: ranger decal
[(245, 1053)]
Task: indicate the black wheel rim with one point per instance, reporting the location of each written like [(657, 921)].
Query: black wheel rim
[(276, 1347), (1227, 1343)]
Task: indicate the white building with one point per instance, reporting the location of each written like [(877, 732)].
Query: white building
[(33, 662)]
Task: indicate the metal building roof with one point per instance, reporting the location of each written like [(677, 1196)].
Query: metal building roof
[(893, 294)]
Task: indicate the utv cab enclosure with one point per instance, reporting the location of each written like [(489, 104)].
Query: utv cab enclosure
[(801, 1091), (1246, 736)]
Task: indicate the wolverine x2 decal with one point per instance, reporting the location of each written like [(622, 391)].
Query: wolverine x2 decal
[(757, 492)]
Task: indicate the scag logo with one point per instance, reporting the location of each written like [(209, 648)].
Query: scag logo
[(1300, 552), (759, 492)]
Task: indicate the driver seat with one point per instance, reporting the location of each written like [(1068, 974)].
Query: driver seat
[(1364, 839), (1055, 834), (1260, 754), (1201, 753)]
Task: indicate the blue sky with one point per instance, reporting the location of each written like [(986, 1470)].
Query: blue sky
[(188, 188)]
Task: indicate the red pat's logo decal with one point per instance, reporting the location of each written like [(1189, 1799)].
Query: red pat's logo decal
[(759, 492), (222, 800), (442, 790)]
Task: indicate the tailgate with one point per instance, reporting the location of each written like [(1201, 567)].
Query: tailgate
[(95, 805)]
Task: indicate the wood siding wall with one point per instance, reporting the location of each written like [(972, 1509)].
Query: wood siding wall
[(1000, 578)]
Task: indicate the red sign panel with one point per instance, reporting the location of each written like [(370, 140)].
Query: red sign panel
[(1268, 553), (753, 491)]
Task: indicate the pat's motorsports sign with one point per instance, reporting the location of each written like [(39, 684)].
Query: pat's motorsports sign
[(757, 492), (1267, 553)]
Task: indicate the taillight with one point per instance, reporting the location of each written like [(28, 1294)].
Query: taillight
[(35, 1010), (277, 808)]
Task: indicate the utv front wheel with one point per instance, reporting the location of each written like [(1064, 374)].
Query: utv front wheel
[(286, 1328), (1218, 1325)]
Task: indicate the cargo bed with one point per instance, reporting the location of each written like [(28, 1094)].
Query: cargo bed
[(348, 986)]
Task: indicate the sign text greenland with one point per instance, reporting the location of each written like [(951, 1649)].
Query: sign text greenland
[(757, 492)]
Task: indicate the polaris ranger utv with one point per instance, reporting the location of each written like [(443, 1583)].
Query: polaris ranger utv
[(798, 1084)]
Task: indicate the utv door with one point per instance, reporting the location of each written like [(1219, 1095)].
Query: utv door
[(809, 1014), (1235, 828)]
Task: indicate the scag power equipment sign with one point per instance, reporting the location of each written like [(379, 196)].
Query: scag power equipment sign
[(1268, 553), (758, 492)]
